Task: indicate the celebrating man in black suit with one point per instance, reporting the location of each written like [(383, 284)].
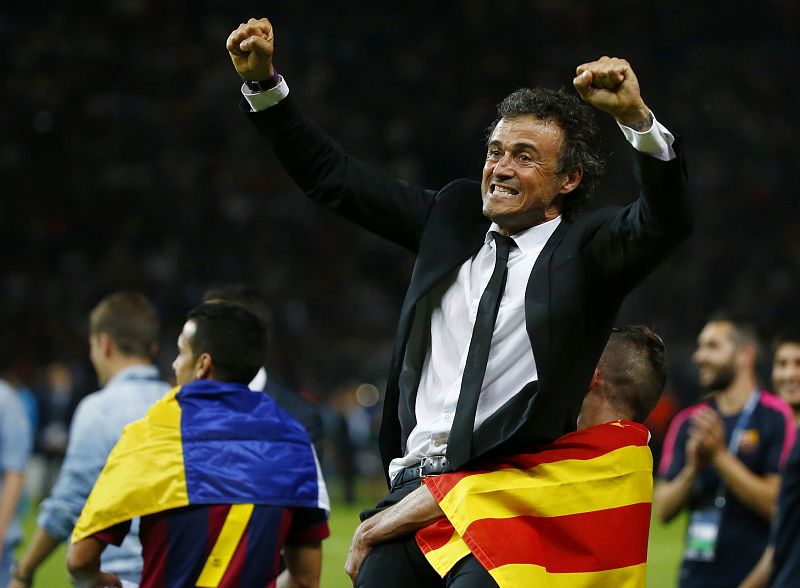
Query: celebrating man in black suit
[(510, 303)]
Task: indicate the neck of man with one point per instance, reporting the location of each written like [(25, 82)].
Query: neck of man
[(119, 363), (598, 413), (732, 399)]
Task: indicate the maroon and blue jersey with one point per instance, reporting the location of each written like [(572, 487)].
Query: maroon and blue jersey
[(178, 545)]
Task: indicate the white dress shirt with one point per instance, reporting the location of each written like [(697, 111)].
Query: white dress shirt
[(511, 364)]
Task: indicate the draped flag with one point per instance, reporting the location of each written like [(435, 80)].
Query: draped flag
[(207, 442), (575, 513)]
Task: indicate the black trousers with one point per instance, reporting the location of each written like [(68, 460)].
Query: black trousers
[(401, 564)]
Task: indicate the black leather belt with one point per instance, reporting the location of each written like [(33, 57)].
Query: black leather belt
[(429, 466)]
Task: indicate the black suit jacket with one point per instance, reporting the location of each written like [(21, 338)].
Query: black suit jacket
[(574, 292)]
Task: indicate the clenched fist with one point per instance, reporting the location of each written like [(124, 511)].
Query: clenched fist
[(610, 85), (251, 46)]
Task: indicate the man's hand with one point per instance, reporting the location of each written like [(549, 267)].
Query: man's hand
[(610, 85), (251, 47), (418, 509), (708, 430), (697, 457), (359, 549)]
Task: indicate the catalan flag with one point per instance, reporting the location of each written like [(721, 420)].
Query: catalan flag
[(574, 514), (207, 442)]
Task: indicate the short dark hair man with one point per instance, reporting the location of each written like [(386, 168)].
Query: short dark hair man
[(722, 457), (301, 406), (123, 336), (625, 387), (233, 472)]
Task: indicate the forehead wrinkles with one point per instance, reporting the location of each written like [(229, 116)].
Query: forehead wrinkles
[(524, 128)]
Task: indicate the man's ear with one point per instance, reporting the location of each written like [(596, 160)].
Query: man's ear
[(572, 178), (106, 344), (597, 381), (202, 367)]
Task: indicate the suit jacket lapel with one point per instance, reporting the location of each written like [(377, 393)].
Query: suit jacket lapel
[(537, 304)]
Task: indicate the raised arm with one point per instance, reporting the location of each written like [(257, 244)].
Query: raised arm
[(386, 206), (631, 243)]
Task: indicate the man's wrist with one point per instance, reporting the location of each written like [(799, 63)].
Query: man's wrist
[(640, 121), (21, 575), (256, 86)]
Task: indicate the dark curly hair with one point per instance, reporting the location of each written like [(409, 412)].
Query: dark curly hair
[(582, 143)]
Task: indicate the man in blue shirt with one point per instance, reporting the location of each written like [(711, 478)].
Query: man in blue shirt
[(15, 447), (123, 334)]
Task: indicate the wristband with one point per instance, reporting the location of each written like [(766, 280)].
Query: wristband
[(263, 85)]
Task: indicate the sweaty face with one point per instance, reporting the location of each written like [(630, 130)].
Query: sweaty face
[(716, 356), (183, 366), (521, 185), (786, 374)]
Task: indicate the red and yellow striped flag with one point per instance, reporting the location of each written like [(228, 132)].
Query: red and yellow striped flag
[(574, 514)]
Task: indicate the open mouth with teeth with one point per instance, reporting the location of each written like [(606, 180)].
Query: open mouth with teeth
[(503, 191)]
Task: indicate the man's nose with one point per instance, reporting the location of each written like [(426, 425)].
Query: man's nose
[(503, 167)]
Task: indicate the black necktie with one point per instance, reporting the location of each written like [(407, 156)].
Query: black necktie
[(459, 443)]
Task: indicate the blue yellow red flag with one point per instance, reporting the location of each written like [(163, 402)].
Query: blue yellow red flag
[(207, 442)]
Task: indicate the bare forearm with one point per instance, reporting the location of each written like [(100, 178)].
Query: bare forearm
[(417, 510), (40, 547), (304, 566), (760, 493), (671, 496), (759, 577), (83, 561), (13, 483)]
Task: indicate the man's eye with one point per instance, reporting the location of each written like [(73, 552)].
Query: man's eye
[(495, 153)]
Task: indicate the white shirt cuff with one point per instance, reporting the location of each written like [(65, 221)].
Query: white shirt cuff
[(263, 100), (657, 141)]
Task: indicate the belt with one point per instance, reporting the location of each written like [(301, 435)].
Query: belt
[(429, 466)]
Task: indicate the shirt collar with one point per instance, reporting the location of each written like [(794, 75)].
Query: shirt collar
[(139, 372), (531, 240)]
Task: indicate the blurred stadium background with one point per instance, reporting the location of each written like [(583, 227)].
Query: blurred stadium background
[(125, 163)]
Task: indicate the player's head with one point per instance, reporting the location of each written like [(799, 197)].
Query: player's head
[(629, 379), (122, 325), (220, 341), (246, 296), (727, 348), (786, 368), (543, 158)]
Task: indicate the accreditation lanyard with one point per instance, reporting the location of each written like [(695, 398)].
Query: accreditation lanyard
[(736, 437)]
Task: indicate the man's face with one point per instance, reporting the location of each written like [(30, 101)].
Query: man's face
[(183, 366), (786, 373), (715, 356), (521, 184)]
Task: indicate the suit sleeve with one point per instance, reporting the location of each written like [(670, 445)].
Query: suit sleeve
[(390, 208), (630, 243)]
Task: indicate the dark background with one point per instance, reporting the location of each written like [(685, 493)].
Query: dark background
[(125, 162)]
